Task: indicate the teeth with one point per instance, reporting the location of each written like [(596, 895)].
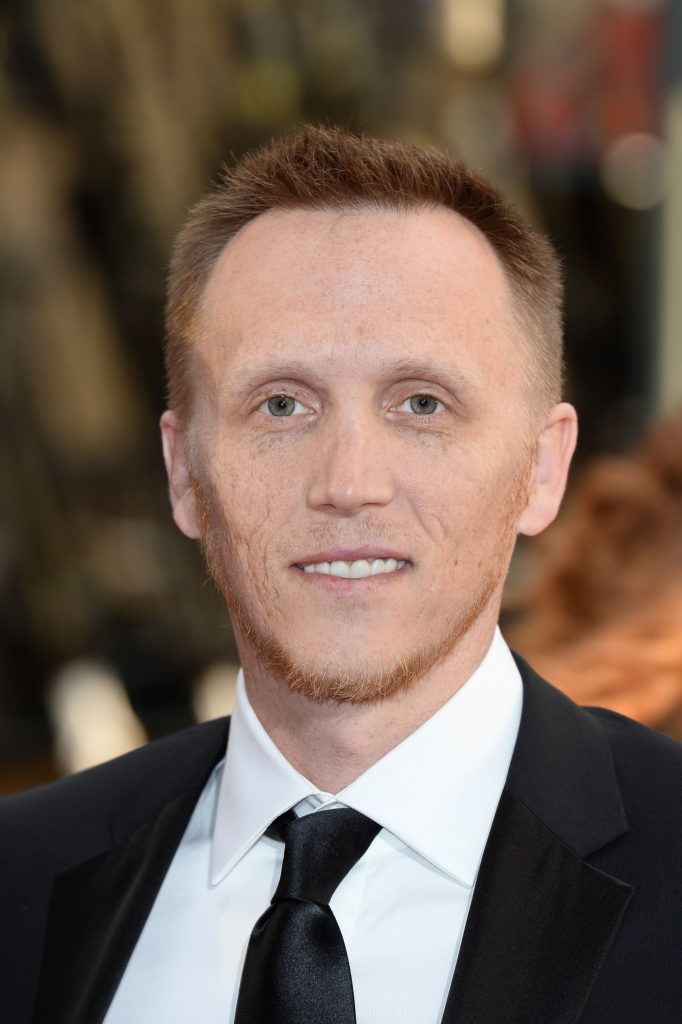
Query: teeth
[(356, 570)]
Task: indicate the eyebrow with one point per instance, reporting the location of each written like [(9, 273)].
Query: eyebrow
[(425, 368), (418, 369)]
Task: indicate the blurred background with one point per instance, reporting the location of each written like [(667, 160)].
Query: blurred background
[(114, 116)]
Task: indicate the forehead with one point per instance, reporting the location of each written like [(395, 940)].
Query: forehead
[(326, 283)]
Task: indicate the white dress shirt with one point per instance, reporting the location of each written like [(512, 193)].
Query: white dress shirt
[(401, 909)]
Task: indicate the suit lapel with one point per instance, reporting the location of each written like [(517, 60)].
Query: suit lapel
[(97, 912), (542, 918), (539, 928), (99, 907)]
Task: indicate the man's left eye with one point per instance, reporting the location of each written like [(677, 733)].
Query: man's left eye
[(423, 405), (282, 405)]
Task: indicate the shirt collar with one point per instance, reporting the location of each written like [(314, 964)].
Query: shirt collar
[(436, 791)]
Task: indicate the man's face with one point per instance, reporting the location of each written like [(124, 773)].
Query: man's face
[(360, 399)]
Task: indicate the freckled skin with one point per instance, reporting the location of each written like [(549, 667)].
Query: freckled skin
[(323, 306)]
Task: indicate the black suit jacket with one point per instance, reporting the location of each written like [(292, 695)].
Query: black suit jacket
[(576, 914)]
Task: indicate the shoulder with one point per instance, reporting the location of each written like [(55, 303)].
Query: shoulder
[(590, 774), (72, 816), (573, 730), (648, 764)]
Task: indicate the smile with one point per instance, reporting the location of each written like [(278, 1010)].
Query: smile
[(356, 570)]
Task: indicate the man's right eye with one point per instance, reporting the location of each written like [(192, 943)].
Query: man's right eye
[(282, 405)]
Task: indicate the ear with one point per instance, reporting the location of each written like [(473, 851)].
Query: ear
[(553, 452), (181, 492)]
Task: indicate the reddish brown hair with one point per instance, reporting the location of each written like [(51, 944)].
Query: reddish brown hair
[(322, 168)]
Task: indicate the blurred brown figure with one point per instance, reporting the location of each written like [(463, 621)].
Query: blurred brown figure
[(602, 615)]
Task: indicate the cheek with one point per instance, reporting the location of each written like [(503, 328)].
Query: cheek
[(464, 504), (444, 491), (253, 500)]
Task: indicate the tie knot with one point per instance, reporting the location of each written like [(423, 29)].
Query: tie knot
[(319, 851)]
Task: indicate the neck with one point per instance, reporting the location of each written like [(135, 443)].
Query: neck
[(332, 744)]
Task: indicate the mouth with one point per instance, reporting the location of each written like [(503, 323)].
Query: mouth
[(353, 565)]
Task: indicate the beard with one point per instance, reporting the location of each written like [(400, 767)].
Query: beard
[(354, 684)]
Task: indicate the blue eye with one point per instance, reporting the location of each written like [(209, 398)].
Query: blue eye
[(281, 405), (422, 405)]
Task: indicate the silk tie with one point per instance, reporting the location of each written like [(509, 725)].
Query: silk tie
[(296, 969)]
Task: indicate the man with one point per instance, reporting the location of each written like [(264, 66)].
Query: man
[(364, 362)]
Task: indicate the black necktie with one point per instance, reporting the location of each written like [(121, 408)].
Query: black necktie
[(296, 969)]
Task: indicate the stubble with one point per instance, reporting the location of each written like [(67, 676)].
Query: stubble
[(356, 683)]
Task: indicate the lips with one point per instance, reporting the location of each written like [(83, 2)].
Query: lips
[(363, 563), (366, 552)]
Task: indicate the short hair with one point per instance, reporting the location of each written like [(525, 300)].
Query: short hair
[(313, 167)]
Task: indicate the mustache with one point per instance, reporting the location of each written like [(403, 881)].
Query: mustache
[(365, 540), (328, 535)]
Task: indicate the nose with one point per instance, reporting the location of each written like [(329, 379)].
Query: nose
[(352, 465)]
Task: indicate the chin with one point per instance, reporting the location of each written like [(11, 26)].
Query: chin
[(352, 674), (358, 682), (347, 670)]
